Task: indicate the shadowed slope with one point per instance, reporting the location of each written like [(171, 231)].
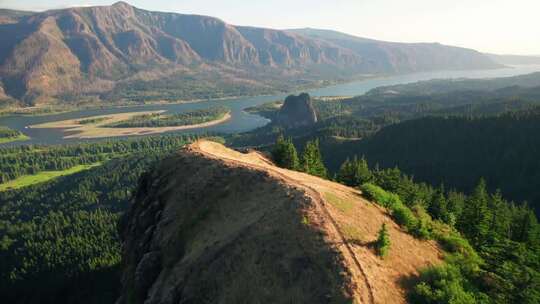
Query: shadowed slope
[(215, 225), (62, 54)]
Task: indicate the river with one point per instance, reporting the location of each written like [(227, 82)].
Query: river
[(240, 121)]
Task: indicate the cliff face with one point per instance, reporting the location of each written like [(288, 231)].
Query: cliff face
[(393, 57), (212, 225), (92, 49), (297, 111), (85, 50)]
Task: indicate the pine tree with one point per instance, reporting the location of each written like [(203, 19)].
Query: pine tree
[(526, 227), (500, 221), (354, 173), (476, 215), (438, 208), (362, 173), (346, 174), (383, 241), (284, 153), (291, 160), (278, 151), (312, 160)]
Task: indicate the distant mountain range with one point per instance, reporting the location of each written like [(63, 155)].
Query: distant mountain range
[(122, 52), (515, 59)]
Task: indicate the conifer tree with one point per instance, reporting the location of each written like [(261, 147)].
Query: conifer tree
[(362, 173), (278, 151), (383, 241), (346, 173), (284, 153), (312, 160), (500, 221), (527, 229), (354, 173), (438, 208), (291, 160), (476, 215)]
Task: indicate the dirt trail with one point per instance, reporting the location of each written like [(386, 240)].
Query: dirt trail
[(351, 224)]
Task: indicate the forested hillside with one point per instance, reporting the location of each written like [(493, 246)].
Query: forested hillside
[(492, 244), (59, 241), (455, 137), (458, 151), (362, 116)]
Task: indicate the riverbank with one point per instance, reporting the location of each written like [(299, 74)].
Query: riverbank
[(5, 140), (53, 109), (78, 129)]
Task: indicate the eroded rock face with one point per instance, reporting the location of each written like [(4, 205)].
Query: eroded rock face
[(202, 230), (297, 111)]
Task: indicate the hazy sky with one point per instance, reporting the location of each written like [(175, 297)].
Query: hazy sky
[(498, 26)]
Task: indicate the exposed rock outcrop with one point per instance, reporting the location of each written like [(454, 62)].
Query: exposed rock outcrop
[(297, 111), (89, 50)]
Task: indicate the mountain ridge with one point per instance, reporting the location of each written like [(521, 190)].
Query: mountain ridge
[(255, 214), (64, 54)]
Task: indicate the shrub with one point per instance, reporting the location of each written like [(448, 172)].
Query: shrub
[(404, 217), (383, 241), (422, 229), (451, 282), (444, 284), (454, 243), (401, 213), (424, 224), (379, 195)]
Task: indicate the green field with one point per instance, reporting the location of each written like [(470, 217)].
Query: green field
[(11, 139), (28, 180), (9, 135)]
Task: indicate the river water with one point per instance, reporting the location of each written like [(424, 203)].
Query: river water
[(241, 121)]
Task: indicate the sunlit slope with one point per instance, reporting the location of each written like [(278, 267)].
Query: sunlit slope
[(217, 225)]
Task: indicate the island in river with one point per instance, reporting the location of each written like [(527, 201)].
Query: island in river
[(100, 126), (8, 135)]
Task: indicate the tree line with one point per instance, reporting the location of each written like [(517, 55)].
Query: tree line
[(25, 160), (494, 244), (459, 151)]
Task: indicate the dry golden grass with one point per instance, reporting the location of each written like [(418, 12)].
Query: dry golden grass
[(351, 223)]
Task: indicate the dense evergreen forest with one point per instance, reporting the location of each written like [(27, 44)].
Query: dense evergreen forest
[(207, 85), (458, 151), (467, 161), (444, 136), (493, 245), (363, 116), (181, 119), (59, 241)]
